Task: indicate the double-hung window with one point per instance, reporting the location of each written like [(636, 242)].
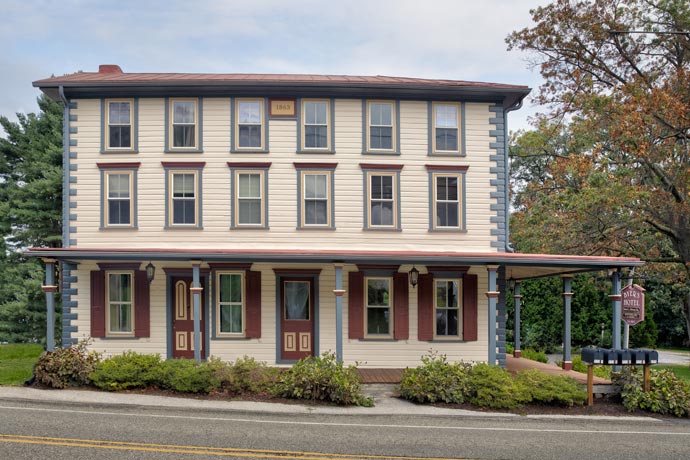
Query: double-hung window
[(446, 187), (382, 196), (381, 127), (230, 311), (447, 304), (378, 315), (315, 124), (184, 121), (315, 187), (183, 185), (120, 304), (249, 201), (119, 207), (446, 122), (250, 124), (119, 124)]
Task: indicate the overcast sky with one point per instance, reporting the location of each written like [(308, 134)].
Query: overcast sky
[(452, 39)]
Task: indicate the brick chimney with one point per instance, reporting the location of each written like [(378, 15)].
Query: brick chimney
[(109, 68)]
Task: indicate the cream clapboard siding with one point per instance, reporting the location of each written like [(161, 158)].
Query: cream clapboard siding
[(368, 353), (282, 183)]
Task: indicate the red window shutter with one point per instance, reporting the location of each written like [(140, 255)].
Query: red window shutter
[(253, 305), (469, 307), (355, 305), (97, 303), (425, 308), (401, 306), (142, 305)]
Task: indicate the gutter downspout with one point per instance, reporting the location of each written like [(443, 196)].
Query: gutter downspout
[(516, 106)]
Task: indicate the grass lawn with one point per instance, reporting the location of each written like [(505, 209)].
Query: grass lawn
[(682, 371), (17, 362)]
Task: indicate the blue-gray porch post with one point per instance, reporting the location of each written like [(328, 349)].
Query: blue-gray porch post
[(339, 312), (196, 295), (616, 304), (567, 299), (492, 295), (49, 289), (517, 300)]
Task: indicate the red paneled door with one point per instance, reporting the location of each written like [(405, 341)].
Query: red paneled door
[(297, 318), (183, 318)]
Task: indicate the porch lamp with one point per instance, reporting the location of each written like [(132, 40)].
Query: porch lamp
[(414, 276), (150, 272)]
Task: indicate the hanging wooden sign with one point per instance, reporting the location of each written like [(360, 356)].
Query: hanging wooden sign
[(632, 304)]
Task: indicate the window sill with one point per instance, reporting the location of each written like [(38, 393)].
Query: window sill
[(250, 228), (231, 338), (376, 229), (383, 152), (447, 230), (110, 229), (439, 340), (181, 227), (123, 151), (316, 151), (378, 339), (183, 151), (249, 151), (315, 229), (447, 154), (120, 337)]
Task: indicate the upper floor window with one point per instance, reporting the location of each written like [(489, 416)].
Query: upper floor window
[(118, 193), (120, 306), (119, 123), (316, 119), (382, 126), (183, 205), (250, 124), (447, 304), (184, 125), (446, 123), (249, 195), (378, 316), (447, 184), (230, 311)]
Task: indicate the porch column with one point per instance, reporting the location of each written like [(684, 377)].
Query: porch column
[(616, 303), (567, 298), (339, 312), (196, 296), (517, 301), (492, 295), (49, 288)]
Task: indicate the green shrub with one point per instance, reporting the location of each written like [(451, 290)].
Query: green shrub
[(667, 393), (65, 367), (556, 390), (247, 375), (535, 355), (187, 376), (322, 378), (128, 370), (495, 387), (436, 380), (600, 371)]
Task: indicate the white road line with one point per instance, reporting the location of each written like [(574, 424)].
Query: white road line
[(353, 425)]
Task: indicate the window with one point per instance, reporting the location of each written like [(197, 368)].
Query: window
[(447, 201), (119, 199), (381, 127), (183, 185), (446, 122), (315, 125), (249, 208), (447, 297), (378, 312), (184, 124), (315, 209), (120, 306), (382, 196), (250, 122), (119, 124), (230, 311)]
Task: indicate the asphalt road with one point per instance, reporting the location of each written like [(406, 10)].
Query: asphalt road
[(30, 430)]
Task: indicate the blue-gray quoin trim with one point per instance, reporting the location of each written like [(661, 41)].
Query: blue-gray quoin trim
[(365, 128), (234, 169), (233, 127), (331, 199), (200, 126), (134, 201), (499, 179), (331, 127), (315, 286), (135, 126), (70, 305), (462, 215), (398, 204), (199, 187), (462, 125)]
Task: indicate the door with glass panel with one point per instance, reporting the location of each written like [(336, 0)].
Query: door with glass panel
[(297, 318), (183, 318)]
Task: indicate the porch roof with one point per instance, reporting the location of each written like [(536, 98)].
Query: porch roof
[(518, 266)]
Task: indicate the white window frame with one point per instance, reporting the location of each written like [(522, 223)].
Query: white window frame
[(392, 126), (242, 303), (109, 331), (434, 177), (262, 124), (262, 197), (107, 198), (172, 124), (390, 308), (108, 124), (458, 124), (327, 103), (394, 179), (459, 309), (171, 199), (303, 198)]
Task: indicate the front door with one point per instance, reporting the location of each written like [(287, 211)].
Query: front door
[(297, 318), (183, 318)]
